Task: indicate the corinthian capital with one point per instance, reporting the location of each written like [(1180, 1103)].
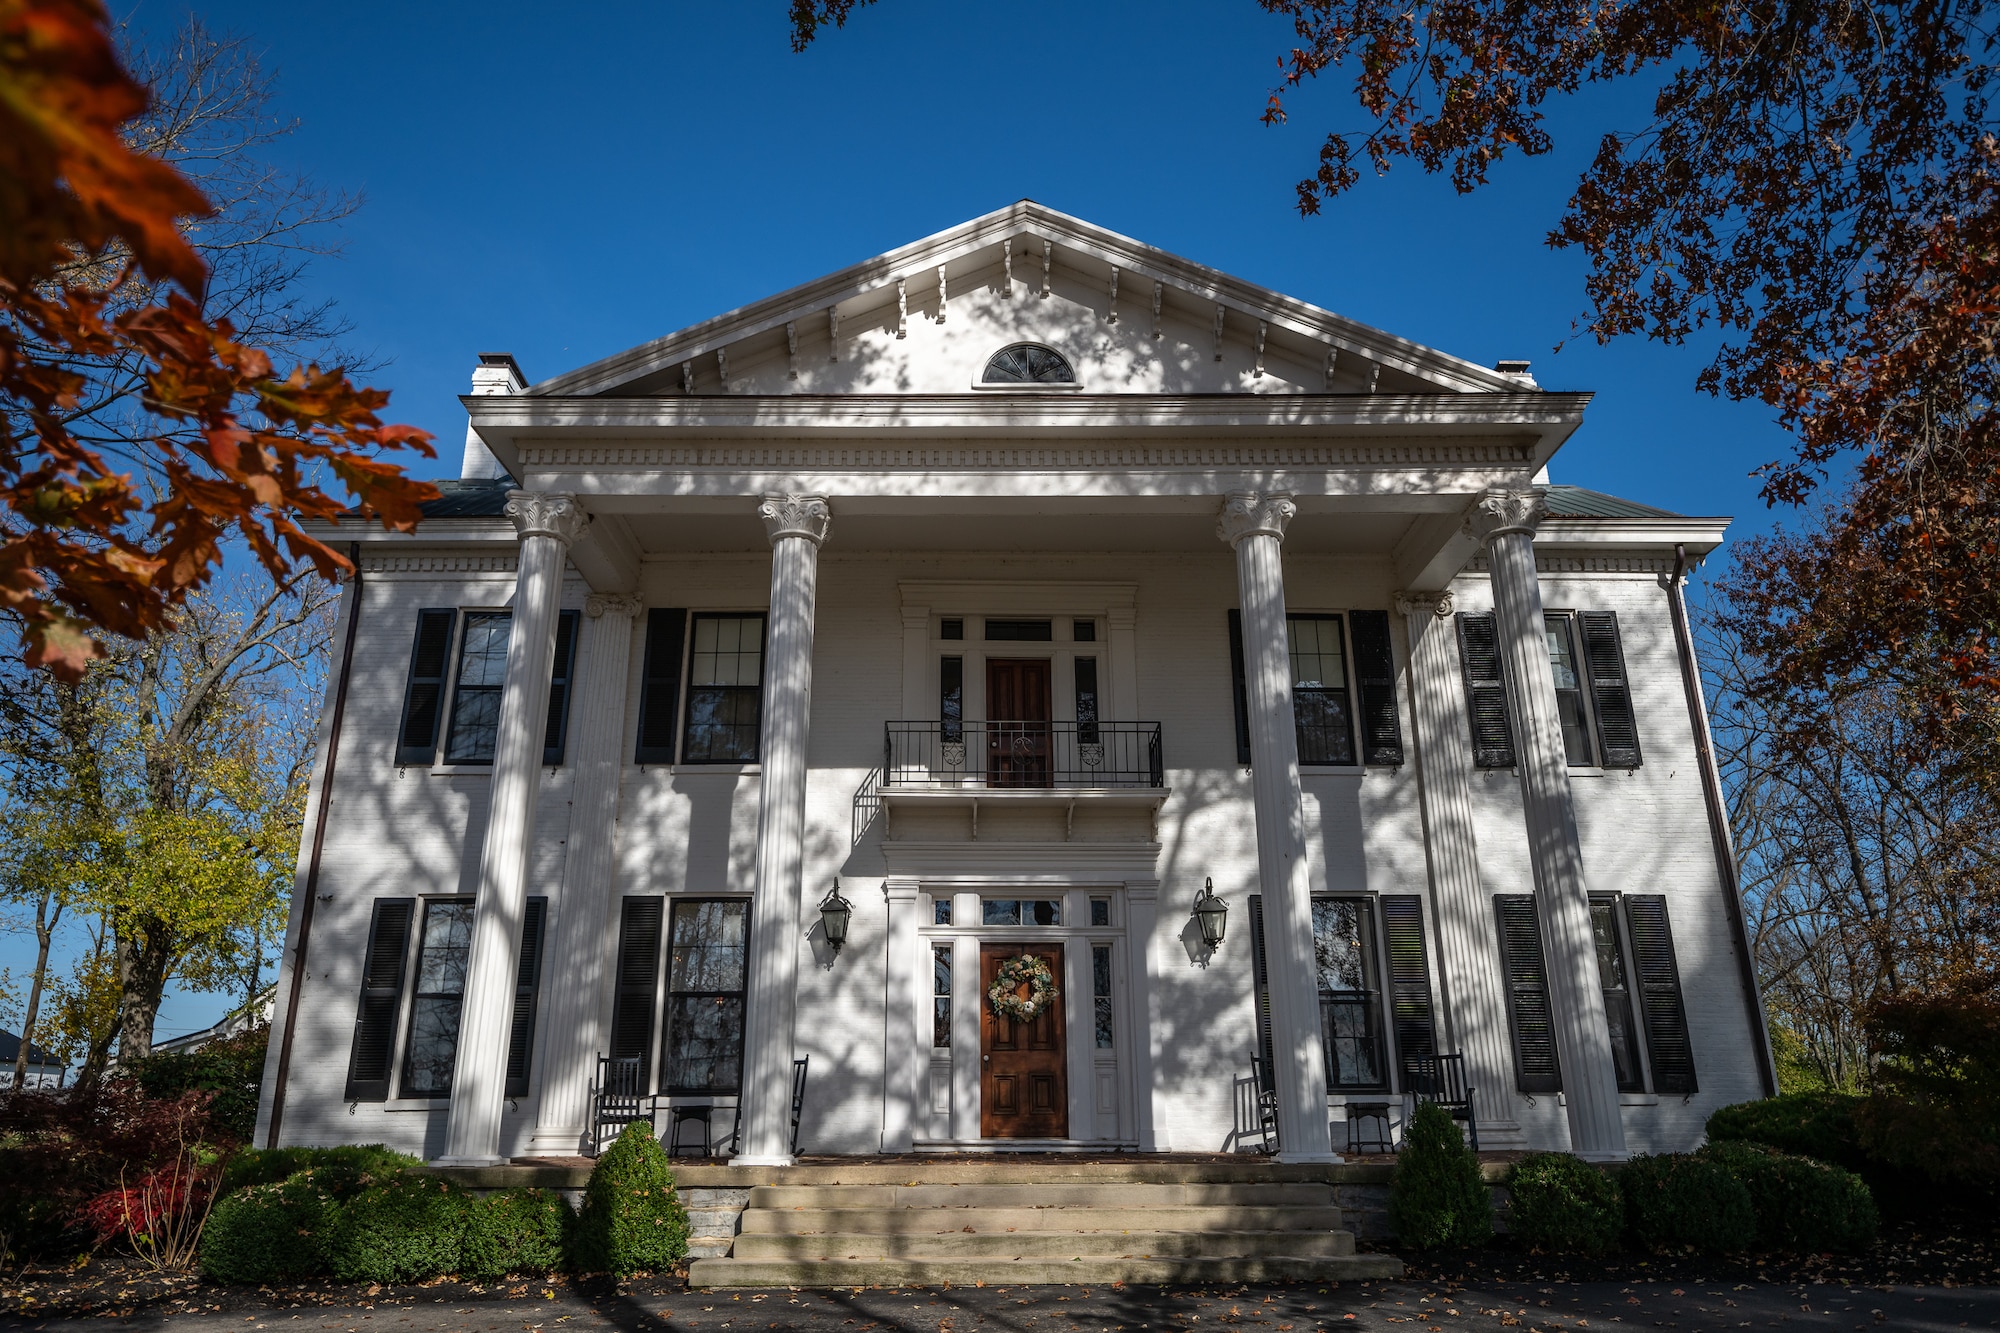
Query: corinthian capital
[(795, 516), (1499, 512), (538, 514), (1255, 513), (1411, 603)]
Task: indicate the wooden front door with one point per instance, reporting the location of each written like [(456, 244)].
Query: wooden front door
[(1023, 1090), (1017, 721)]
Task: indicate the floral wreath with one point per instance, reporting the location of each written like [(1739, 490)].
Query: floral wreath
[(1022, 969)]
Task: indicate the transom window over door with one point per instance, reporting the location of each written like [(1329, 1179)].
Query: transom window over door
[(1028, 363), (725, 678)]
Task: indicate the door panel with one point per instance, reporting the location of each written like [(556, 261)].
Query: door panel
[(1018, 707), (1023, 1088)]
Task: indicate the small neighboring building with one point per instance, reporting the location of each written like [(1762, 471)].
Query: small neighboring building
[(257, 1012), (44, 1070)]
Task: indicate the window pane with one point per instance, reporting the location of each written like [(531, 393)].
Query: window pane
[(1569, 692), (1100, 911), (704, 1019), (1610, 963), (447, 946), (433, 1047), (482, 669), (941, 912), (1562, 657), (434, 1012), (1000, 912), (483, 660), (1041, 912), (1348, 1030), (705, 1042), (951, 698), (1317, 660), (708, 945), (1325, 733), (941, 995), (722, 726), (1337, 944)]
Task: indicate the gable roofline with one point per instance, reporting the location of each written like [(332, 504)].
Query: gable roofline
[(872, 282)]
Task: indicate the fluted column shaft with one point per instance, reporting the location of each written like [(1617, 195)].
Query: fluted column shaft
[(1506, 521), (547, 525), (579, 973), (1474, 1006), (796, 524), (1255, 525)]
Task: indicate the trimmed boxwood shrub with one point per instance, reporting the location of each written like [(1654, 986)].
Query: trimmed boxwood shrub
[(514, 1231), (1802, 1206), (269, 1233), (1819, 1125), (405, 1229), (1680, 1201), (1564, 1205), (1438, 1198), (353, 1165), (632, 1220)]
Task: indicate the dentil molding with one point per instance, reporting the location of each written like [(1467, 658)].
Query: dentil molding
[(1255, 514), (956, 457), (804, 516), (1497, 513), (1410, 603), (543, 514)]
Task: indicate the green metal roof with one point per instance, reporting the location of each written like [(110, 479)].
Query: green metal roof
[(1576, 502)]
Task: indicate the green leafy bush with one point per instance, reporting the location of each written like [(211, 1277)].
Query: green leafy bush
[(514, 1231), (1680, 1201), (269, 1233), (632, 1220), (405, 1229), (1802, 1206), (1563, 1205), (1819, 1125), (1438, 1198), (345, 1168), (231, 1070)]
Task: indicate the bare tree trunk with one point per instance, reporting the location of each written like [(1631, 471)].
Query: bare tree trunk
[(45, 931), (143, 955)]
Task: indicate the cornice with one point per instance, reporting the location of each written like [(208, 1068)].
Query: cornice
[(435, 562), (1579, 562), (973, 457)]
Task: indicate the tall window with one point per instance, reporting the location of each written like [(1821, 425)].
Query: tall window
[(1617, 994), (440, 991), (941, 995), (951, 698), (1319, 690), (725, 680), (704, 1041), (1569, 690), (1086, 701), (1100, 994), (482, 670), (1350, 998)]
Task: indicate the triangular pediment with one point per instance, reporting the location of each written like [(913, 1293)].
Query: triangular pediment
[(1128, 317)]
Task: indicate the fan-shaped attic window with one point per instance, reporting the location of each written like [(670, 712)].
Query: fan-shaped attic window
[(1028, 363)]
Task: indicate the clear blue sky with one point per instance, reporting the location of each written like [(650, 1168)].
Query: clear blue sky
[(561, 182)]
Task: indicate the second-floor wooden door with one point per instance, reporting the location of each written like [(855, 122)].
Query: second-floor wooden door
[(1018, 708)]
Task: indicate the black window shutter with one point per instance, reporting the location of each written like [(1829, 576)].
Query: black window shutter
[(660, 687), (1239, 683), (1671, 1054), (638, 975), (527, 981), (381, 996), (423, 696), (562, 674), (1610, 696), (1260, 977), (1485, 691), (1409, 976), (1536, 1068), (1375, 673)]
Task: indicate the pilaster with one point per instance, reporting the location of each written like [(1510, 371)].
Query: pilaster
[(905, 1063), (547, 524), (1142, 918), (796, 525), (1473, 1007), (579, 975), (1254, 523), (1505, 522)]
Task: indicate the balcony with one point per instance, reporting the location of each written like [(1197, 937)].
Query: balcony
[(1021, 756)]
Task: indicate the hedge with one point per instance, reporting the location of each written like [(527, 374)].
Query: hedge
[(1438, 1198), (1683, 1201), (1563, 1205), (632, 1220)]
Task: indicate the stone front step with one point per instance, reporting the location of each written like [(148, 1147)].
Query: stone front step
[(935, 1221), (998, 1272), (970, 1244), (1046, 1194)]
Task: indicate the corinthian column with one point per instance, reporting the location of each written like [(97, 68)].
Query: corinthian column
[(1254, 524), (1474, 1008), (1505, 521), (796, 525), (578, 980), (547, 524)]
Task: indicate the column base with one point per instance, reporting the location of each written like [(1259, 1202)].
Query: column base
[(776, 1159), (1315, 1158), (469, 1161)]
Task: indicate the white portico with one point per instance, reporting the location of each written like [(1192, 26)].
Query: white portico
[(1022, 581)]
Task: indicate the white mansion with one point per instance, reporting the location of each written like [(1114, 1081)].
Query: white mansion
[(1021, 583)]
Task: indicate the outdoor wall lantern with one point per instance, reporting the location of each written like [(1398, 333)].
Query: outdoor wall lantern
[(834, 912), (1211, 914)]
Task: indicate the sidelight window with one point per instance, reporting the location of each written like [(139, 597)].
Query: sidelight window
[(1100, 994), (940, 995)]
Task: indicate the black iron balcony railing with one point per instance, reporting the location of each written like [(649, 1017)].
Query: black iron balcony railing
[(1022, 754)]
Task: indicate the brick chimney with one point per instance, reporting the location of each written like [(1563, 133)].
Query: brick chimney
[(496, 373)]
